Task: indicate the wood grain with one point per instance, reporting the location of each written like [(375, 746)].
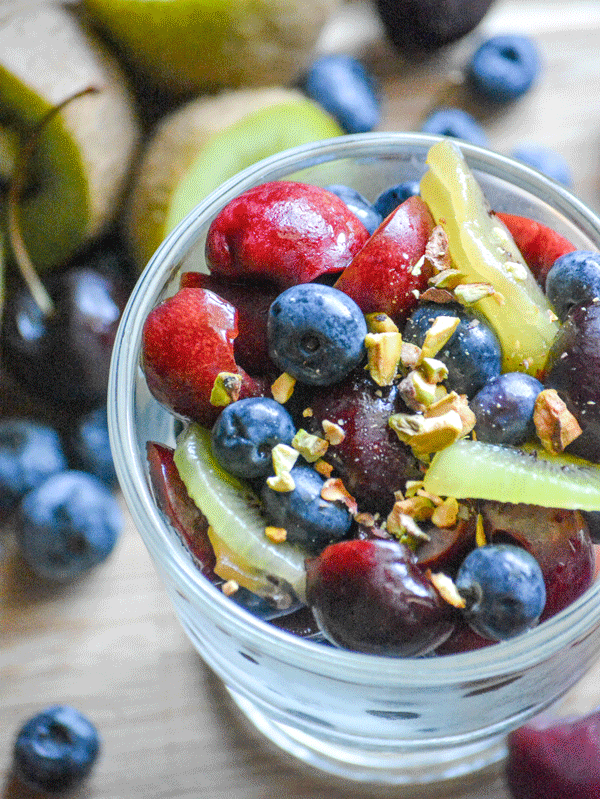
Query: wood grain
[(110, 645)]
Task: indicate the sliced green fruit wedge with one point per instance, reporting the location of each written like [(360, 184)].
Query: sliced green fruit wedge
[(483, 250), (476, 470), (232, 510)]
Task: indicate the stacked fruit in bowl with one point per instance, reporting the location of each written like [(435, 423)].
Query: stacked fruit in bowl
[(383, 430)]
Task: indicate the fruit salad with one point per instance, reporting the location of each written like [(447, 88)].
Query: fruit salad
[(390, 434)]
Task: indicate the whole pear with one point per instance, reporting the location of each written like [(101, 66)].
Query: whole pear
[(188, 46), (206, 141), (78, 171)]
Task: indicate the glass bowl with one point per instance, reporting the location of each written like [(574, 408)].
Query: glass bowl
[(362, 717)]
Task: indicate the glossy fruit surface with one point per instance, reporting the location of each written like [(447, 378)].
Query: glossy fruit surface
[(456, 123), (64, 358), (504, 67), (309, 520), (504, 590), (232, 511), (284, 231), (574, 279), (245, 433), (382, 277), (504, 408), (552, 758), (68, 525), (548, 161), (370, 459), (482, 250), (472, 354), (346, 89), (56, 749), (395, 195), (359, 205), (316, 333), (186, 341), (573, 369), (29, 453), (476, 470), (370, 596)]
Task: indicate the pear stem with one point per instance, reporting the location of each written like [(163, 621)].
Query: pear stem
[(26, 267)]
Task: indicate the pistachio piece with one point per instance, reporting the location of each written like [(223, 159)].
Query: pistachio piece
[(311, 447), (283, 388), (470, 293), (440, 332), (436, 249), (554, 423), (410, 356), (226, 389), (334, 490), (425, 435), (446, 588), (453, 402), (380, 323), (434, 370), (480, 537), (416, 391), (446, 514), (334, 433), (284, 458), (384, 351), (277, 535)]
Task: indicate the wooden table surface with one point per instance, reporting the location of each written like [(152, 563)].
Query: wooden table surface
[(110, 645)]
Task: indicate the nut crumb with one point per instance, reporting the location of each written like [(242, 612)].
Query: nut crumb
[(334, 433), (554, 423), (334, 490), (283, 388), (230, 587), (446, 588), (226, 389), (277, 535)]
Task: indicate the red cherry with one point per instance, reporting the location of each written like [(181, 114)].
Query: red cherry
[(284, 231), (382, 277), (186, 341), (370, 596), (174, 501), (558, 759), (539, 244)]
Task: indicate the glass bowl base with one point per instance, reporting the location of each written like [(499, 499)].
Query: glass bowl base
[(377, 766)]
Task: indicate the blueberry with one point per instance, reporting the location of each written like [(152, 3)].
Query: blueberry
[(545, 160), (245, 433), (344, 88), (29, 453), (472, 355), (55, 750), (67, 525), (90, 446), (391, 198), (358, 204), (504, 67), (573, 279), (309, 520), (504, 408), (504, 590), (456, 123), (316, 333)]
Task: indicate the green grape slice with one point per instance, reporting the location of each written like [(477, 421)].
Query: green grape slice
[(483, 250), (476, 470), (233, 511)]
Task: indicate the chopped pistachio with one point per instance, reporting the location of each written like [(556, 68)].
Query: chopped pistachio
[(470, 293), (334, 490), (277, 535), (410, 356), (453, 402), (446, 514), (416, 392), (380, 323), (447, 279), (284, 458), (441, 296), (401, 524), (229, 587), (427, 434), (434, 370), (446, 588), (480, 538), (311, 447), (323, 468), (283, 388), (334, 433), (418, 508), (308, 413), (412, 486), (283, 482), (226, 389), (554, 423), (431, 497), (436, 249), (440, 332), (383, 352)]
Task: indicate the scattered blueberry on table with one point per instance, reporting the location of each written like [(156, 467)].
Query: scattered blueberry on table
[(545, 160), (344, 87), (504, 67), (456, 123), (55, 750)]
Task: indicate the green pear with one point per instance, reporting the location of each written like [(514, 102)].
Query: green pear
[(79, 168), (191, 46), (206, 141)]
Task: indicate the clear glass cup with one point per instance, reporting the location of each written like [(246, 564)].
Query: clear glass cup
[(366, 718)]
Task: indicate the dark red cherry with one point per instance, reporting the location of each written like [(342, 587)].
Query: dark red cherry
[(370, 596), (371, 461)]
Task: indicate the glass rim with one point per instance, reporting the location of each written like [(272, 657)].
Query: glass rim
[(573, 623)]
